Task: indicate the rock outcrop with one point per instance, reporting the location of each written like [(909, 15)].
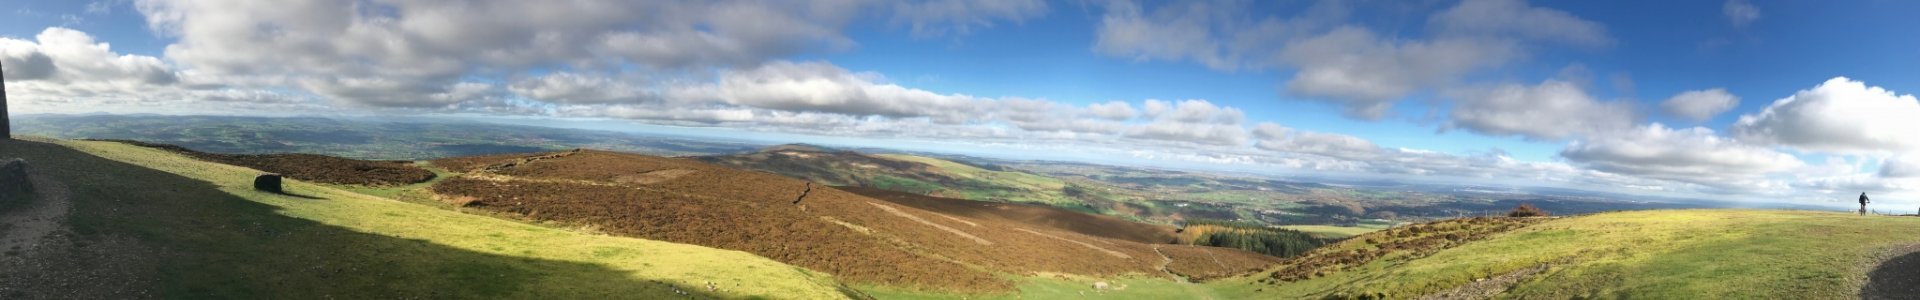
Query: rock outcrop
[(268, 182)]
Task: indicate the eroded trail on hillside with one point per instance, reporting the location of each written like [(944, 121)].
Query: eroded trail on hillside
[(1897, 277)]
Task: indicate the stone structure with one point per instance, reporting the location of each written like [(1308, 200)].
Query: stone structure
[(6, 127), (268, 182), (13, 178)]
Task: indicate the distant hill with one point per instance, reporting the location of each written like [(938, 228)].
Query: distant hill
[(355, 138), (855, 237), (903, 173)]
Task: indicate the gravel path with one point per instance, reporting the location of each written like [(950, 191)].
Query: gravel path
[(1897, 277), (41, 259), (27, 228)]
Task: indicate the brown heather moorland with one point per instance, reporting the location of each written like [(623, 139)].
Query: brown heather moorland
[(854, 237), (312, 167)]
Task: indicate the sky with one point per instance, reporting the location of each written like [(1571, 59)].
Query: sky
[(1749, 100)]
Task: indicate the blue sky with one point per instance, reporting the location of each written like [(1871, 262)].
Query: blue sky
[(1565, 93)]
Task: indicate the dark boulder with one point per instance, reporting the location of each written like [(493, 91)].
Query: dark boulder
[(14, 185), (268, 182)]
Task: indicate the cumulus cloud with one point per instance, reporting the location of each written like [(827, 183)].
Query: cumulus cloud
[(1840, 115), (1740, 12), (1193, 120), (933, 18), (64, 55), (1516, 18), (1273, 137), (573, 88), (1367, 73), (1903, 166), (1348, 65), (1216, 34), (1694, 155), (1112, 110), (823, 87), (1700, 105), (1551, 110)]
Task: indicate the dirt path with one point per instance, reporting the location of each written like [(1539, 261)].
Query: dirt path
[(42, 259), (1490, 287), (27, 229), (1167, 261), (1896, 277)]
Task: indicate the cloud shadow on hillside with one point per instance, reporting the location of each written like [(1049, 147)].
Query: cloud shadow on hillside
[(205, 243)]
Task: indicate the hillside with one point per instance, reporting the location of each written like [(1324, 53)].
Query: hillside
[(859, 239), (1035, 215), (1665, 254), (148, 223), (904, 173)]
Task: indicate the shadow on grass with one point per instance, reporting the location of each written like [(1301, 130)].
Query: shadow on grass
[(1897, 278), (206, 243)]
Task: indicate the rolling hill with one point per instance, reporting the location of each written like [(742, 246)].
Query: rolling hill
[(860, 239), (1660, 254), (1030, 214), (150, 223)]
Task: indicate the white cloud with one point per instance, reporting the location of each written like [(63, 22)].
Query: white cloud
[(1112, 110), (1740, 12), (1215, 34), (823, 87), (1273, 137), (64, 55), (1193, 111), (1199, 133), (933, 18), (1348, 65), (1516, 18), (1903, 166), (1700, 105), (1367, 73), (388, 53), (567, 87), (1693, 155), (1549, 111), (1840, 116)]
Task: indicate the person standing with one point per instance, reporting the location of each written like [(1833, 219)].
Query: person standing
[(1863, 204)]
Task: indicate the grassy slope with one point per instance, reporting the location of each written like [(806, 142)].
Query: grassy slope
[(218, 238), (1670, 254), (1033, 188), (1066, 287)]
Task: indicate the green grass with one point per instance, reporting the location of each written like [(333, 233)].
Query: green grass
[(211, 236), (1070, 287), (1669, 254), (983, 184)]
